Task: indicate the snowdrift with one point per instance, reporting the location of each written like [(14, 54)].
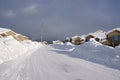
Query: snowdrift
[(93, 51), (11, 48)]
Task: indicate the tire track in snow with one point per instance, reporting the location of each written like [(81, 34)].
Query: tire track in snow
[(46, 64), (16, 68)]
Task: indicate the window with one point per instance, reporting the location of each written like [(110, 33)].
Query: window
[(116, 38)]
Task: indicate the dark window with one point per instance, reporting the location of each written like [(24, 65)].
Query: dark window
[(116, 38)]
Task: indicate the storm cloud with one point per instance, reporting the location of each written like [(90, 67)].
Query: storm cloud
[(59, 18)]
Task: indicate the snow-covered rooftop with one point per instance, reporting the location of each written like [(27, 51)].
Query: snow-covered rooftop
[(2, 30), (99, 34), (118, 29), (83, 36)]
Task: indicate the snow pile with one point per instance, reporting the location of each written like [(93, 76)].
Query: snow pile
[(11, 48), (31, 44), (117, 51), (95, 52), (65, 46), (69, 43), (92, 42)]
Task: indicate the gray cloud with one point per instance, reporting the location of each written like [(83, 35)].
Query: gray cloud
[(31, 9), (61, 18), (7, 14)]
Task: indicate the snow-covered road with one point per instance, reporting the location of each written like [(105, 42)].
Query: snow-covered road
[(47, 64)]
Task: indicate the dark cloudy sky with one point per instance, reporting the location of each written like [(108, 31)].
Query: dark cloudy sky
[(60, 18)]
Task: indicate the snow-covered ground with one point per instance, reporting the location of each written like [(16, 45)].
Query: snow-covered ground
[(93, 51), (30, 60), (47, 64)]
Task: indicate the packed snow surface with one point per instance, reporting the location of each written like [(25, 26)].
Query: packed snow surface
[(47, 64), (58, 62)]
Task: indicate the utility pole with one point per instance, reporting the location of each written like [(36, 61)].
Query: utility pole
[(41, 31)]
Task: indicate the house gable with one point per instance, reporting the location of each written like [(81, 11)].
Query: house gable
[(113, 33), (76, 40), (113, 37), (88, 37)]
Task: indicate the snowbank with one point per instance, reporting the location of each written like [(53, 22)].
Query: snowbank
[(69, 43), (95, 52), (11, 48), (117, 51), (30, 44), (2, 30)]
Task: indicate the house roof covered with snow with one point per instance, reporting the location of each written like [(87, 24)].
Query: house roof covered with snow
[(118, 29), (99, 34), (2, 30), (76, 37), (83, 36)]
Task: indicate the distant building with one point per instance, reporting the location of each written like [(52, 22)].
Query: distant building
[(105, 42), (98, 35), (88, 37), (76, 40), (45, 42), (113, 37), (58, 42), (7, 32), (68, 39), (110, 38)]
